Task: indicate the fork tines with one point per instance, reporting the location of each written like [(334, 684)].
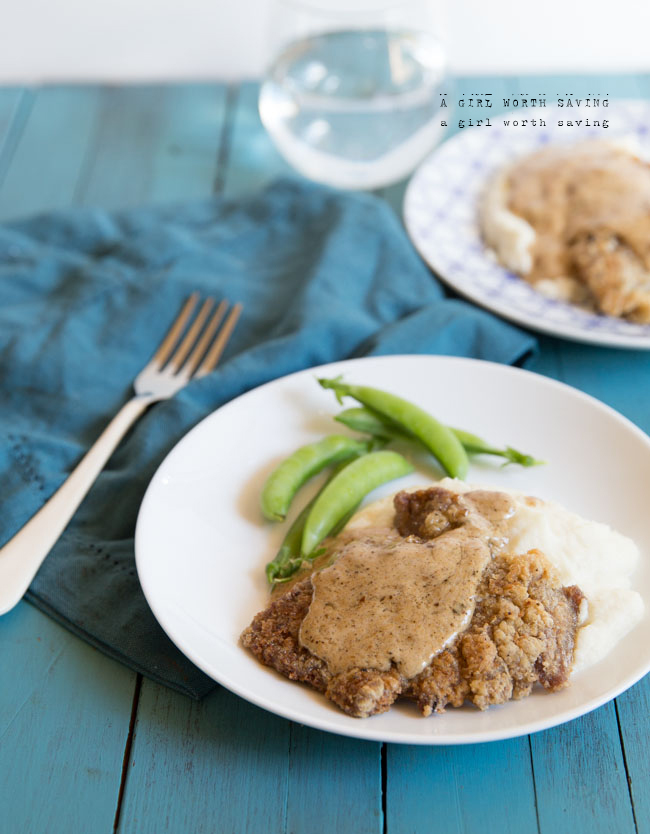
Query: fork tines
[(200, 346)]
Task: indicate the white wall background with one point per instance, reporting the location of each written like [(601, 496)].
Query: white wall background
[(54, 40)]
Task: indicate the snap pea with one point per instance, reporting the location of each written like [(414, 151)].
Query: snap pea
[(477, 446), (366, 421), (287, 478), (289, 559), (345, 491), (436, 437)]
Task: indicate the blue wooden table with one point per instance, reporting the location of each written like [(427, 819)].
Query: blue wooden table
[(86, 745)]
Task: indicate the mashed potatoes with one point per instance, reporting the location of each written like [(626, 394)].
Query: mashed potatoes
[(584, 553)]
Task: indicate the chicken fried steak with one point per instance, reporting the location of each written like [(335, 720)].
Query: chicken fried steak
[(498, 623)]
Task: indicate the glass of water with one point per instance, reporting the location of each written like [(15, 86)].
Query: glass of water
[(352, 96)]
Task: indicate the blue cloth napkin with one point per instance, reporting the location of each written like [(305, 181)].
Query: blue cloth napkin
[(86, 295)]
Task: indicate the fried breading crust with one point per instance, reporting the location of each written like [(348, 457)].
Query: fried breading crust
[(522, 631), (273, 637)]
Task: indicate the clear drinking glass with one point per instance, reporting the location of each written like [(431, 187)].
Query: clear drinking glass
[(352, 96)]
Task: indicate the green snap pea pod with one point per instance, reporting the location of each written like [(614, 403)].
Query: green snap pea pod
[(289, 558), (345, 491), (287, 478), (438, 438), (477, 446), (367, 422)]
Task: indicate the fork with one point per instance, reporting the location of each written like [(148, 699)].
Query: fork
[(191, 349)]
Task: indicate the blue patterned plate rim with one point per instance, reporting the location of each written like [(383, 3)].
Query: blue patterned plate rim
[(440, 215)]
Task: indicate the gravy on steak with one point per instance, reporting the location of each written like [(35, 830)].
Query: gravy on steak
[(395, 601)]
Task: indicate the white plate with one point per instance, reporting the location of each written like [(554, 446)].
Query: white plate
[(440, 213), (201, 544)]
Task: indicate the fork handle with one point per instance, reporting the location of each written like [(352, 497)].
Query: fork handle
[(22, 556)]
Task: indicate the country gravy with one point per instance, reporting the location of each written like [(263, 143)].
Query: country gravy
[(565, 192), (394, 602)]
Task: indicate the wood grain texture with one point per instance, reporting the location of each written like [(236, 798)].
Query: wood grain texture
[(218, 765), (64, 715), (580, 777), (633, 711), (613, 86), (15, 106), (241, 769), (156, 143), (452, 790), (251, 159), (317, 761), (10, 102), (606, 373), (43, 176)]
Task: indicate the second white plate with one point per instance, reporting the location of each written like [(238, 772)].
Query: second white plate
[(201, 544), (440, 213)]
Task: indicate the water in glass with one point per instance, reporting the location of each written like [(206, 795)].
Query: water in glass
[(358, 108)]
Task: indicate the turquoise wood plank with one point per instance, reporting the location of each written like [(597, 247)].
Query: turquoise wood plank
[(218, 765), (186, 162), (615, 86), (454, 790), (64, 719), (15, 105), (251, 158), (546, 360), (613, 376), (642, 85), (334, 784), (43, 174), (580, 777), (10, 98), (153, 143), (633, 711)]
